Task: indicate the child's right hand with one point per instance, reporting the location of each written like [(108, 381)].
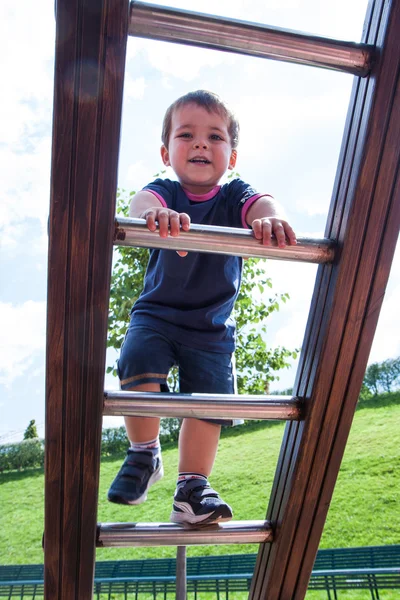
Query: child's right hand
[(169, 222)]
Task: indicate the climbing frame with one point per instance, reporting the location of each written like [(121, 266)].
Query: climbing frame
[(355, 259)]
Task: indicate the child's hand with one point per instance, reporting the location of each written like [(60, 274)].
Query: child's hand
[(265, 227), (169, 222)]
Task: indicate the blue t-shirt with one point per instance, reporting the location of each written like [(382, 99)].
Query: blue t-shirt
[(190, 299)]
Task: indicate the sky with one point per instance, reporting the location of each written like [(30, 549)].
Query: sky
[(291, 117)]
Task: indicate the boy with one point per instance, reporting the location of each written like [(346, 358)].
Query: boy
[(183, 315)]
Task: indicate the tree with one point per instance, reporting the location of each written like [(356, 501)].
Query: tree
[(383, 377), (256, 364), (126, 282), (389, 375), (31, 431), (371, 378)]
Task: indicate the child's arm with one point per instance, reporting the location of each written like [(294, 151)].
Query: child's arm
[(145, 205), (266, 218)]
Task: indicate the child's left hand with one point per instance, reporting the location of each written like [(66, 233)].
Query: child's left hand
[(265, 227)]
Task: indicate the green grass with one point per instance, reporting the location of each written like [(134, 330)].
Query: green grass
[(313, 595), (364, 508)]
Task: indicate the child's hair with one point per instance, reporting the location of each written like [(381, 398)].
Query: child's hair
[(212, 103)]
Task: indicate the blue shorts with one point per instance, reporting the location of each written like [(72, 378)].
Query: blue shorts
[(147, 357)]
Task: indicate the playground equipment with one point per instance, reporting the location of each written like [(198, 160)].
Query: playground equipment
[(371, 568), (355, 259)]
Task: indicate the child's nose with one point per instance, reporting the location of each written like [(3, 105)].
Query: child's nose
[(200, 144)]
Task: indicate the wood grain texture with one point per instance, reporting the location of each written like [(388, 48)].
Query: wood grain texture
[(89, 71), (364, 220)]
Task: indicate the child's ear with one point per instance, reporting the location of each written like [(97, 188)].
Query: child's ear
[(232, 160), (165, 156)]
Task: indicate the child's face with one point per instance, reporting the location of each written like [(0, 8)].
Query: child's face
[(200, 150)]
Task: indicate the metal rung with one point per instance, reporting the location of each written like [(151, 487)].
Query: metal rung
[(168, 534), (221, 240), (208, 31), (200, 406)]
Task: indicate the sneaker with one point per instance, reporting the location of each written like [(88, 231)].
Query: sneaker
[(196, 503), (138, 472)]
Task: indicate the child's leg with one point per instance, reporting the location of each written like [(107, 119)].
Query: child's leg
[(143, 464), (195, 502), (196, 435), (146, 358), (143, 429)]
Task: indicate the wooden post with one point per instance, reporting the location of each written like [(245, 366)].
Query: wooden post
[(89, 72), (364, 220)]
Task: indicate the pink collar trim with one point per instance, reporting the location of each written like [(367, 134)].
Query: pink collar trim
[(203, 197)]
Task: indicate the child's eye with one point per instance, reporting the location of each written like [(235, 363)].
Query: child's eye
[(216, 137), (185, 135)]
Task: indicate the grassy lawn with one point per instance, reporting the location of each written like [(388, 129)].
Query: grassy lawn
[(313, 595), (364, 508)]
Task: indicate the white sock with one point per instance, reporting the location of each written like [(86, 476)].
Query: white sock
[(187, 476), (152, 445)]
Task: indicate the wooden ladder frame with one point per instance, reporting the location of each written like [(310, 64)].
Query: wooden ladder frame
[(363, 222)]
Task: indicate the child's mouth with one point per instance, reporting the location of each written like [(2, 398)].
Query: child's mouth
[(200, 161)]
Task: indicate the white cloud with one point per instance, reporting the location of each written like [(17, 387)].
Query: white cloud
[(111, 383), (23, 329), (25, 112), (139, 174), (181, 62), (317, 18), (314, 200), (15, 236), (322, 18), (111, 422), (25, 181), (310, 234), (134, 88), (271, 122), (298, 281), (27, 72), (280, 107), (131, 49), (386, 342)]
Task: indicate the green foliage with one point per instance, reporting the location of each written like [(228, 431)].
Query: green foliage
[(169, 430), (369, 401), (287, 392), (30, 453), (256, 364), (365, 394), (114, 441), (126, 282), (31, 431), (22, 455), (389, 376), (381, 377), (371, 378)]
